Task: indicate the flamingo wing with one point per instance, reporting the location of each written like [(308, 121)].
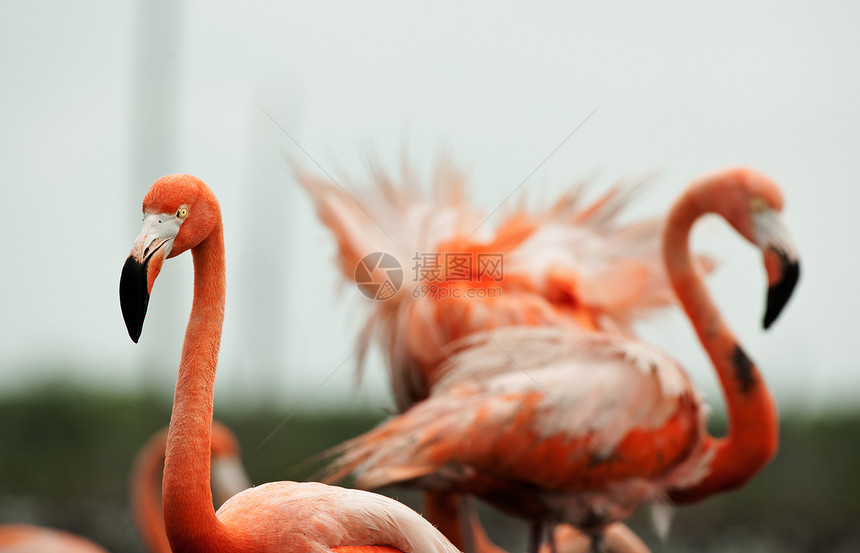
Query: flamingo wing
[(540, 412), (400, 220), (584, 255), (570, 264)]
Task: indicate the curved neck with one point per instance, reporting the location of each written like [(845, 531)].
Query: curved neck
[(145, 494), (189, 515), (751, 440)]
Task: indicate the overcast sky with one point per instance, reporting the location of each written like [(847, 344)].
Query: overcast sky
[(100, 98)]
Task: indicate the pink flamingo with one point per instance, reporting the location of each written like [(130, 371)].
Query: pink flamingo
[(181, 213), (558, 424), (571, 265)]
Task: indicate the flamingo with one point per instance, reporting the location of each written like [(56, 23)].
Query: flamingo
[(27, 538), (571, 265), (228, 479), (180, 213), (578, 426)]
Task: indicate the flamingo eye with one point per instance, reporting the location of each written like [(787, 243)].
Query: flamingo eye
[(757, 205), (182, 212)]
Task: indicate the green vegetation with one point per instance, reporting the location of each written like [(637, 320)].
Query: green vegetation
[(65, 456)]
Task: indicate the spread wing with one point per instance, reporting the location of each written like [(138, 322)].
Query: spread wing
[(571, 264)]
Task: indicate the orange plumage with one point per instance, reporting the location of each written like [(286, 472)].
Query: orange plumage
[(566, 424)]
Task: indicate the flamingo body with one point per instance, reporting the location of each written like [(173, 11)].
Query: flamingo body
[(571, 265), (569, 425), (555, 424)]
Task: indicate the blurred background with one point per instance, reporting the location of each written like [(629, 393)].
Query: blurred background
[(98, 99)]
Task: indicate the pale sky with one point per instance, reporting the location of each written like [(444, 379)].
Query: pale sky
[(100, 98)]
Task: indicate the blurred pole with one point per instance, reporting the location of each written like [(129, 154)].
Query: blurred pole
[(262, 286), (154, 110)]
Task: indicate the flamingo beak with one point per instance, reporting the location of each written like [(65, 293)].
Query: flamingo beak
[(150, 249), (780, 261)]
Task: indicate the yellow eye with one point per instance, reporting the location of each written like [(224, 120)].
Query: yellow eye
[(757, 205), (182, 212)]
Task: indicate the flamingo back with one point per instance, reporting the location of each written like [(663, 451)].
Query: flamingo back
[(316, 518)]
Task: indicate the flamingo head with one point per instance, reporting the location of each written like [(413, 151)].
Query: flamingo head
[(752, 204), (179, 212)]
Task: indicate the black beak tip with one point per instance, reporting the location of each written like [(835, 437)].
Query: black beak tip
[(133, 296), (779, 294)]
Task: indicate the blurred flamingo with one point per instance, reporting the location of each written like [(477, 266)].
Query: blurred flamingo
[(564, 424), (180, 213), (228, 479), (26, 538), (572, 265)]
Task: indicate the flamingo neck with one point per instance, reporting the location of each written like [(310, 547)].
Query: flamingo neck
[(753, 427), (189, 515), (146, 499)]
